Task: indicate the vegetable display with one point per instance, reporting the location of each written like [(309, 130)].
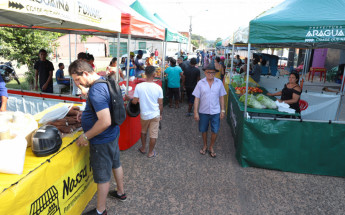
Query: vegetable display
[(251, 90), (252, 102), (264, 100)]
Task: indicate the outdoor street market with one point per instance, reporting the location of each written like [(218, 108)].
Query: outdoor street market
[(74, 127)]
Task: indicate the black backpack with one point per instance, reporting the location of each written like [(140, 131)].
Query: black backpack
[(117, 108)]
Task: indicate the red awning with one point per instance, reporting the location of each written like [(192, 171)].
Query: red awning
[(135, 24)]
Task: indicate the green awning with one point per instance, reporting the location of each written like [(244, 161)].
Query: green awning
[(297, 23), (172, 35)]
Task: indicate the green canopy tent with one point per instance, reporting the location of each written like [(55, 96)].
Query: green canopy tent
[(301, 24), (293, 23), (269, 142), (170, 35)]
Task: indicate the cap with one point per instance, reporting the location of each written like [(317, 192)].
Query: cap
[(222, 58), (140, 52), (131, 54)]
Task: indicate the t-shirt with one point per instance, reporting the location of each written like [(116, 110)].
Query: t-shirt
[(59, 74), (192, 74), (184, 65), (138, 63), (43, 68), (100, 99), (256, 73), (3, 89), (174, 77), (131, 71), (148, 94)]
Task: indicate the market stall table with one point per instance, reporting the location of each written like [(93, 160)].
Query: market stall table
[(61, 183), (286, 145)]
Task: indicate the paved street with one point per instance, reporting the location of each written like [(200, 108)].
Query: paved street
[(182, 181)]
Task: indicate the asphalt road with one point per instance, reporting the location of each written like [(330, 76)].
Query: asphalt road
[(182, 181)]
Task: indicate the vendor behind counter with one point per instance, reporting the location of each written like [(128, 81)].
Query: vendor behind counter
[(3, 95), (291, 92)]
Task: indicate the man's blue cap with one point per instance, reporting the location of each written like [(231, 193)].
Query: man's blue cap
[(140, 52)]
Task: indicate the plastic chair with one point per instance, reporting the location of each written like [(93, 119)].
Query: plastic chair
[(322, 71), (303, 105)]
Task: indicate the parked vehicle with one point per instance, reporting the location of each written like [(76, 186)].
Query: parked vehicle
[(7, 72), (146, 54)]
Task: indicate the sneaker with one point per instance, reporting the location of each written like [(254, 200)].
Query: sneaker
[(113, 193), (94, 212)]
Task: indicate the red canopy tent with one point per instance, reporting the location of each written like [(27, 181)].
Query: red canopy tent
[(134, 24)]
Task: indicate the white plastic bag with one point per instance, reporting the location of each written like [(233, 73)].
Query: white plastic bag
[(12, 155), (56, 114)]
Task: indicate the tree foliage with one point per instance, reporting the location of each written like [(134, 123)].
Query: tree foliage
[(195, 43), (199, 39), (23, 45)]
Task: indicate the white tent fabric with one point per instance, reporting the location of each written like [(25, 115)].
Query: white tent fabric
[(320, 106), (85, 17), (28, 104), (241, 35)]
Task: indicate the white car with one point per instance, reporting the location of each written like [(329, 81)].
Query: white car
[(146, 54)]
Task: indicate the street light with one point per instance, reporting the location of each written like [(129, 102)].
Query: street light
[(190, 30)]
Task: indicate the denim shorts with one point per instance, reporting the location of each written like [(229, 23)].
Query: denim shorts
[(104, 158), (206, 119)]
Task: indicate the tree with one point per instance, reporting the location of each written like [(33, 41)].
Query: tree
[(195, 43), (199, 39), (23, 45)]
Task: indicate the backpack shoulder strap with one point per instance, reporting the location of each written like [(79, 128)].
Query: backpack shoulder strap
[(88, 97)]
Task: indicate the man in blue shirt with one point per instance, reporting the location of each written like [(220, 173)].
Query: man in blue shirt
[(60, 76), (102, 136), (139, 63), (174, 80), (3, 95)]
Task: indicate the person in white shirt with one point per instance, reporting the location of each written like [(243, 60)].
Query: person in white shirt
[(150, 98)]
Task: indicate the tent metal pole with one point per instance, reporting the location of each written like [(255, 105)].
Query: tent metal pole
[(281, 58), (232, 61), (227, 59), (307, 66), (117, 78), (69, 48), (70, 61), (163, 60), (75, 54), (341, 96), (304, 63), (304, 71), (342, 83), (127, 75), (248, 63)]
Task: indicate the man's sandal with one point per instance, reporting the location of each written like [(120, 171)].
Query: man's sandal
[(212, 154), (203, 151)]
